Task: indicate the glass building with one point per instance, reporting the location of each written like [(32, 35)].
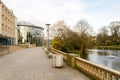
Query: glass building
[(30, 33)]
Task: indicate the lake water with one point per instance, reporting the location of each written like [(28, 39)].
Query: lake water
[(107, 58)]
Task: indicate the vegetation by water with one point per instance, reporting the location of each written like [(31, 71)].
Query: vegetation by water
[(110, 47), (109, 36), (81, 38), (71, 41)]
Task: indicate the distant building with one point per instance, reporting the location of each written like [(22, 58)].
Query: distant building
[(16, 33), (29, 33), (7, 25)]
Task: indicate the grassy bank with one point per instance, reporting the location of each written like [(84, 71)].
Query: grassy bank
[(111, 47)]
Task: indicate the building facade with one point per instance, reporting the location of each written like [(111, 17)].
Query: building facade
[(29, 33), (7, 25)]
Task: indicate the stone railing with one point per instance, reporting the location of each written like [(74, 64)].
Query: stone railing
[(4, 50), (95, 71)]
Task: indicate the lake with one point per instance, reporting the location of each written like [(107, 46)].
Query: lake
[(107, 58)]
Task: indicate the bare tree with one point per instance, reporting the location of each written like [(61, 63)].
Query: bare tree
[(115, 31), (58, 29), (68, 40), (83, 29), (61, 31), (65, 39), (102, 37)]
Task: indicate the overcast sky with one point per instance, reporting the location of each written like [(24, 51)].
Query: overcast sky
[(97, 12)]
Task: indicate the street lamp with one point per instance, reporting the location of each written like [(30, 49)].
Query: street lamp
[(48, 36), (43, 40)]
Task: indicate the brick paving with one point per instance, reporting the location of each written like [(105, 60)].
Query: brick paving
[(33, 64)]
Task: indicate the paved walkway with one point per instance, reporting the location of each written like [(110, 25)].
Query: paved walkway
[(33, 64)]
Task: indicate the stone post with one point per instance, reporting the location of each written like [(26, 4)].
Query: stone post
[(71, 59)]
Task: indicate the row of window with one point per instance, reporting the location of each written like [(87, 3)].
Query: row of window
[(7, 30), (6, 11), (8, 21), (11, 26)]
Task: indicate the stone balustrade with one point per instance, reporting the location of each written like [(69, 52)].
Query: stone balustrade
[(95, 71)]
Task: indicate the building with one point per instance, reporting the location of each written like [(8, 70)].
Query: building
[(16, 33), (29, 33), (7, 25)]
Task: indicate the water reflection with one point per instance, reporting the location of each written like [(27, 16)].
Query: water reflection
[(108, 58)]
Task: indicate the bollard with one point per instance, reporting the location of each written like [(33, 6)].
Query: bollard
[(71, 59)]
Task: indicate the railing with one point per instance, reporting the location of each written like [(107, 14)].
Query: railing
[(4, 50), (94, 70), (98, 71)]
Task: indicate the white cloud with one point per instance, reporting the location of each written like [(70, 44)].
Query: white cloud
[(44, 9), (104, 18), (40, 12), (74, 6)]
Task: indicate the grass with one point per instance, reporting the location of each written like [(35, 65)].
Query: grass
[(111, 47)]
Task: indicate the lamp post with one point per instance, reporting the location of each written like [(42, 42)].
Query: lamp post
[(48, 36), (43, 41)]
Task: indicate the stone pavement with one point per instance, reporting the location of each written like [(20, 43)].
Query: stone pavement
[(33, 64)]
